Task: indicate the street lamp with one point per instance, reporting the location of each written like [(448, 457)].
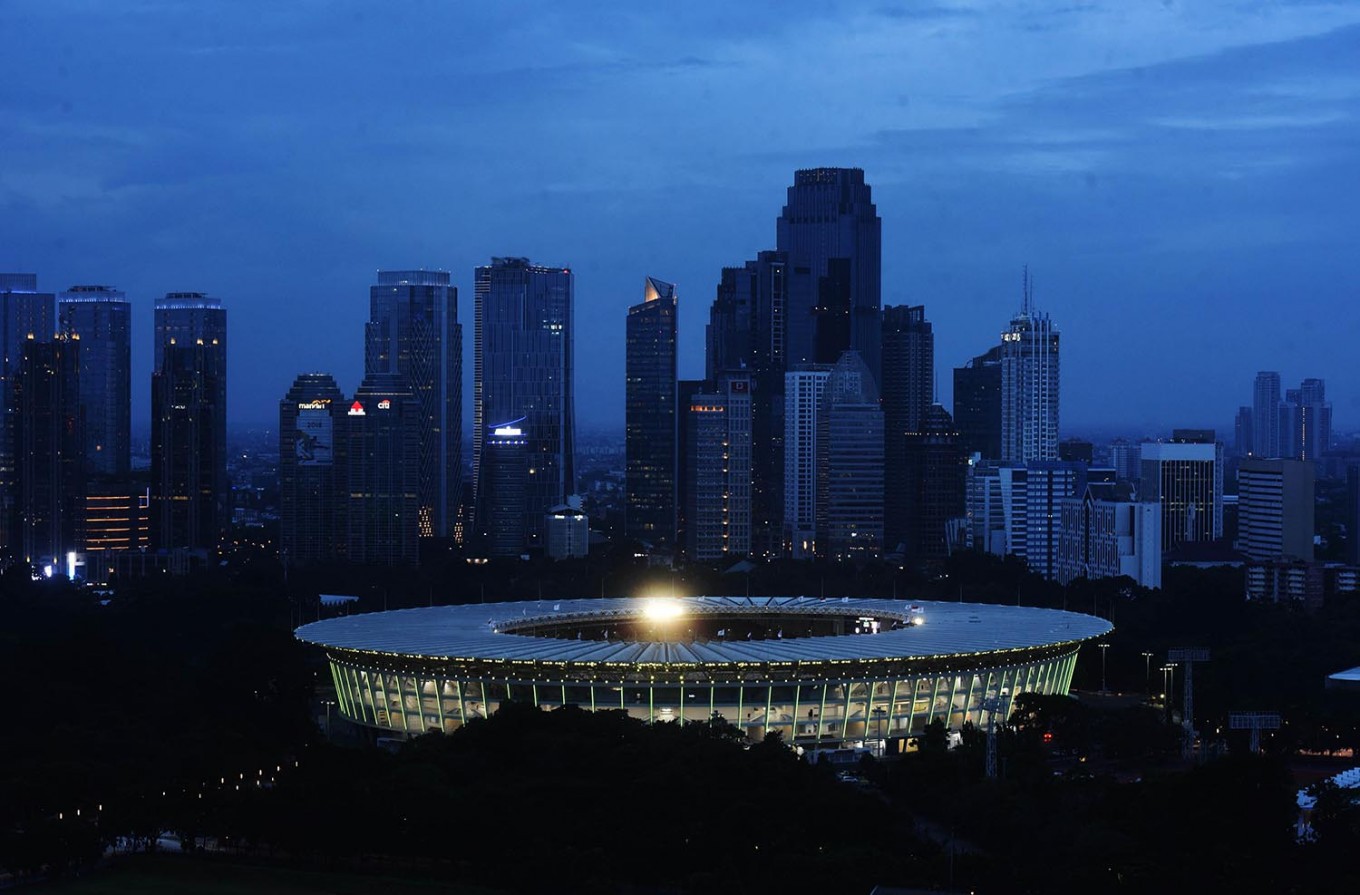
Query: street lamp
[(1147, 673), (1103, 648), (1168, 677), (328, 703)]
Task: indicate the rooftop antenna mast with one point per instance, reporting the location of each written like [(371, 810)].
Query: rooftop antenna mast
[(1027, 293)]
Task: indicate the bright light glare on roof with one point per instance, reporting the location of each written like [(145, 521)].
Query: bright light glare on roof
[(663, 609)]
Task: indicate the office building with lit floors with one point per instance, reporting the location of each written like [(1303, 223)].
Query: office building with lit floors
[(718, 470), (190, 491), (500, 525), (523, 371), (650, 424), (313, 476), (822, 673), (382, 447), (25, 315)]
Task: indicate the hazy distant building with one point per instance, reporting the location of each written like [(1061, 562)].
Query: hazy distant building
[(1243, 432), (190, 492), (831, 234), (1265, 415), (1275, 508), (25, 313), (313, 475), (1124, 460), (568, 533), (977, 405), (51, 452), (650, 424), (907, 386), (524, 369), (413, 331), (101, 318), (936, 474), (802, 467), (1106, 535), (718, 469), (1076, 450), (851, 438), (1312, 421), (382, 450), (1186, 478), (1029, 386)]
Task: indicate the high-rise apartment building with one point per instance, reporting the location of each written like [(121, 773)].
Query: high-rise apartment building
[(718, 457), (1186, 478), (936, 475), (1312, 421), (413, 332), (524, 370), (1265, 415), (802, 457), (1275, 508), (313, 476), (832, 236), (25, 314), (908, 384), (1029, 386), (1106, 535), (382, 451), (500, 523), (190, 492), (977, 405), (50, 447), (100, 317), (650, 424), (851, 503), (1017, 510)]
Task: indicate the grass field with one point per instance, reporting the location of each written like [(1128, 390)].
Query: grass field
[(171, 875)]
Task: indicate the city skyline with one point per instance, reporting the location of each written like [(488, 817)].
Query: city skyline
[(1182, 167)]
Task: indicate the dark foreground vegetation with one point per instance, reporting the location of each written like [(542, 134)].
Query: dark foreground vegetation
[(185, 706)]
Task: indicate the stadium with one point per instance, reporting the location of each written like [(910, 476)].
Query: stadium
[(823, 673)]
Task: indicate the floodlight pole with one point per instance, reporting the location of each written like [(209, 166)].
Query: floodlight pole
[(1188, 656), (1255, 722)]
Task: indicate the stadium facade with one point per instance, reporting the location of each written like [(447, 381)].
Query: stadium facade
[(823, 673)]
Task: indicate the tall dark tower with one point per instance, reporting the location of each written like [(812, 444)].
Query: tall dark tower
[(936, 473), (25, 313), (382, 450), (977, 405), (523, 369), (51, 452), (650, 416), (413, 331), (313, 476), (908, 390), (832, 236), (190, 493), (101, 319)]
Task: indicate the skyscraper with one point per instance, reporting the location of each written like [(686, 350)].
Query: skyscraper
[(851, 436), (500, 523), (413, 332), (25, 313), (935, 473), (650, 415), (832, 236), (1312, 421), (718, 514), (1029, 386), (1265, 415), (313, 477), (382, 450), (803, 457), (51, 452), (524, 370), (1186, 478), (190, 492), (977, 404), (101, 318), (908, 392)]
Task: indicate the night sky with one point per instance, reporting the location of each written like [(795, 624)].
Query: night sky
[(1183, 179)]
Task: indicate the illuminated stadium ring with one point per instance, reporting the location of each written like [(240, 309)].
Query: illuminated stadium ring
[(824, 673)]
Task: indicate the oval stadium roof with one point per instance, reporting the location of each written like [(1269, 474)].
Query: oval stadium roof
[(472, 631)]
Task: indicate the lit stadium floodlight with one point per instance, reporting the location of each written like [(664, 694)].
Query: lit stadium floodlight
[(663, 609)]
